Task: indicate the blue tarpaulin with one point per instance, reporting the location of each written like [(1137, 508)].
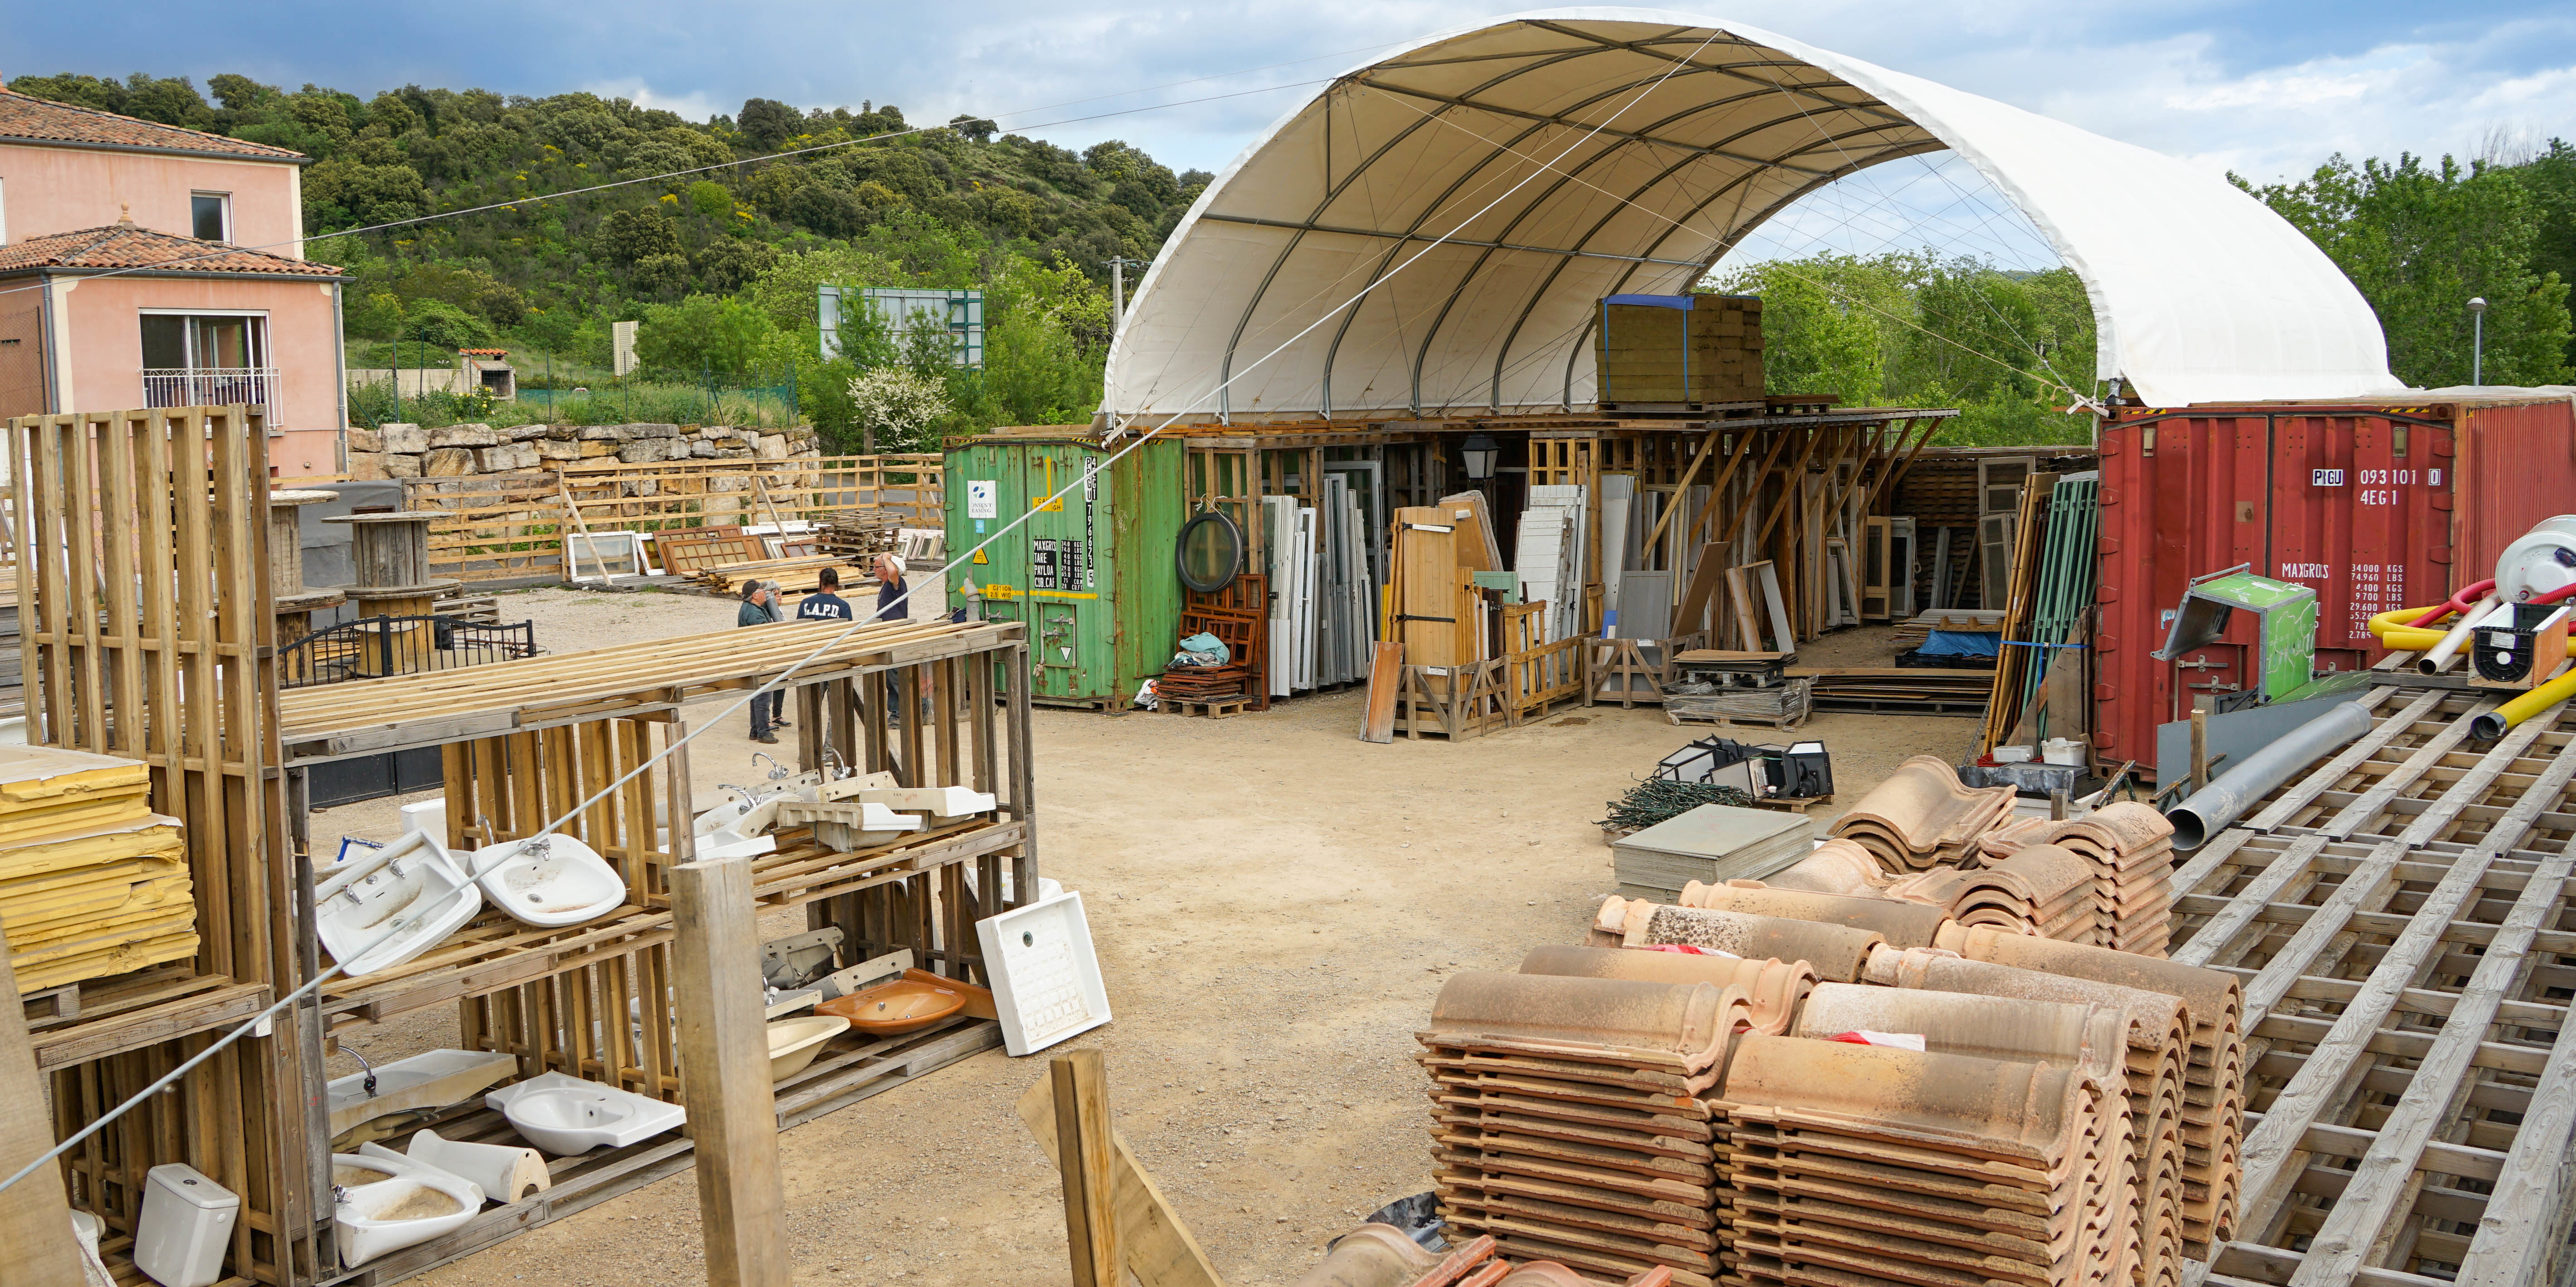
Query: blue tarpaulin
[(1963, 643)]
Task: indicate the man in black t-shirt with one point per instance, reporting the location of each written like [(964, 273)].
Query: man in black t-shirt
[(824, 604)]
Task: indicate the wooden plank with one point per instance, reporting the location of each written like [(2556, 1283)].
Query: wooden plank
[(2371, 803), (1159, 1248), (724, 1064), (2316, 782), (35, 1215), (2354, 1228), (1386, 666), (1080, 1093)]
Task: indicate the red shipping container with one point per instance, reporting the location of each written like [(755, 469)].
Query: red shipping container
[(2379, 506)]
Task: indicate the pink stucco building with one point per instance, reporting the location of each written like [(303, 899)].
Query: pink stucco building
[(146, 265)]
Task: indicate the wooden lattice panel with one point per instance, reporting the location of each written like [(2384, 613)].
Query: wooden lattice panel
[(2404, 933)]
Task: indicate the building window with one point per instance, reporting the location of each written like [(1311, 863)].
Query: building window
[(213, 215), (207, 360)]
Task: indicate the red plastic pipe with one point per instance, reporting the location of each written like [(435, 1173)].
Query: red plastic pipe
[(2460, 602)]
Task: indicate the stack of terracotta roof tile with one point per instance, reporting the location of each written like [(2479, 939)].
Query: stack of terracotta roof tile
[(2212, 1125), (1377, 1255), (1903, 924), (1922, 817), (1864, 1164), (1835, 866), (2157, 1038), (2130, 849), (1568, 1113), (2041, 889), (1835, 952)]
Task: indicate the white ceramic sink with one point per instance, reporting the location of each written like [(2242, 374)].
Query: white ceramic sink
[(549, 881), (430, 1079), (379, 911), (566, 1115)]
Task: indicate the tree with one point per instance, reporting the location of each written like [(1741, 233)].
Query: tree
[(975, 127), (727, 265), (2419, 241), (710, 198), (703, 333), (894, 407), (766, 123), (629, 236)]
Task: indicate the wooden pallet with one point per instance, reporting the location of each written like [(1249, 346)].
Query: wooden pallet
[(1791, 804), (1784, 724), (842, 1077), (1221, 708)]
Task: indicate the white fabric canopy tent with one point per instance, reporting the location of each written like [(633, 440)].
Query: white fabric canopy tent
[(1562, 155)]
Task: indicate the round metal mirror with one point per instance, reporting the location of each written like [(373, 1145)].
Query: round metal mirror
[(1211, 552)]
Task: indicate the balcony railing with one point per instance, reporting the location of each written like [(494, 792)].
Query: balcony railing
[(254, 386)]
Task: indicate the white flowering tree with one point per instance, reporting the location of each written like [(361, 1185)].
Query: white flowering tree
[(893, 405)]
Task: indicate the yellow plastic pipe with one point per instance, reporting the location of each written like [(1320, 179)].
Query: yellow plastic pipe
[(2396, 636), (2492, 725)]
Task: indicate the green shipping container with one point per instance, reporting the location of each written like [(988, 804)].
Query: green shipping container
[(1091, 575)]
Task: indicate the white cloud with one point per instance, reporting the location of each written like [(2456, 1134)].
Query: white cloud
[(696, 105)]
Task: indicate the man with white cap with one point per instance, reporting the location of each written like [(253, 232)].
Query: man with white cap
[(891, 604)]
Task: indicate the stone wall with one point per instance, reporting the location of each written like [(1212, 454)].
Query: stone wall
[(460, 451)]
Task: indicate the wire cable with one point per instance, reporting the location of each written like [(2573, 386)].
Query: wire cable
[(1089, 472)]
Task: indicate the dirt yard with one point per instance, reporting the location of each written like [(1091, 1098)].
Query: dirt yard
[(1275, 905)]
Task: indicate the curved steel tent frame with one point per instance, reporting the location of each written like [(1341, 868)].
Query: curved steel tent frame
[(1431, 231)]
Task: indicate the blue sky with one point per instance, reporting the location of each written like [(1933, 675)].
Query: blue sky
[(2267, 90)]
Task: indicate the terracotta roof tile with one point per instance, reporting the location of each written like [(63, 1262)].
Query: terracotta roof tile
[(127, 246), (23, 116)]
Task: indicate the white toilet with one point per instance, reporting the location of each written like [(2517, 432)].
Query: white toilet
[(186, 1227), (414, 1203)]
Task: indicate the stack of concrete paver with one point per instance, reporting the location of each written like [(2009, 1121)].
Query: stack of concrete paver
[(1571, 1120), (2129, 848), (1997, 1152), (1922, 817)]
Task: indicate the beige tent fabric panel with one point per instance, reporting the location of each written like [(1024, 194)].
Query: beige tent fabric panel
[(1571, 153)]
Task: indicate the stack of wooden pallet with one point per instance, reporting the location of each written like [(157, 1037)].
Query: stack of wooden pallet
[(92, 882), (1899, 690), (1915, 631), (2130, 850), (857, 534), (1922, 817)]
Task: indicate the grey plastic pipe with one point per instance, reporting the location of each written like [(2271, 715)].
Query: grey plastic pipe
[(2213, 807)]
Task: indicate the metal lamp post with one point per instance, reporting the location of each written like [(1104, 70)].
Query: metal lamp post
[(2477, 340)]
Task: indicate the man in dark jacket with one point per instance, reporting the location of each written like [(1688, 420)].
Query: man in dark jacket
[(825, 604), (760, 608)]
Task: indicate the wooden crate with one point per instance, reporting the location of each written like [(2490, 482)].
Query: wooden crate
[(1709, 353), (1613, 668)]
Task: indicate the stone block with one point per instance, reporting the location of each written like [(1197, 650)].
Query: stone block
[(446, 462), (464, 436), (773, 446), (563, 433), (526, 433), (407, 439), (605, 433), (517, 455), (367, 465), (401, 466), (652, 431), (362, 440), (549, 449), (733, 452), (702, 450), (645, 451), (592, 449)]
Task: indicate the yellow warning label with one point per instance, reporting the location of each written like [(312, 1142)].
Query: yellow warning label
[(979, 557), (995, 590)]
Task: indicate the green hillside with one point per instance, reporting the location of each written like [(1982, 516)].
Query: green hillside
[(719, 265)]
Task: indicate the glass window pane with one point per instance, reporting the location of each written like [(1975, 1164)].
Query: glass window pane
[(165, 344), (208, 210)]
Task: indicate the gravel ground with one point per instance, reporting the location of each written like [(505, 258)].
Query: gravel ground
[(1275, 904)]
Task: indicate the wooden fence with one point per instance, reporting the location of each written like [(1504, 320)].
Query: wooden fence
[(498, 526)]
